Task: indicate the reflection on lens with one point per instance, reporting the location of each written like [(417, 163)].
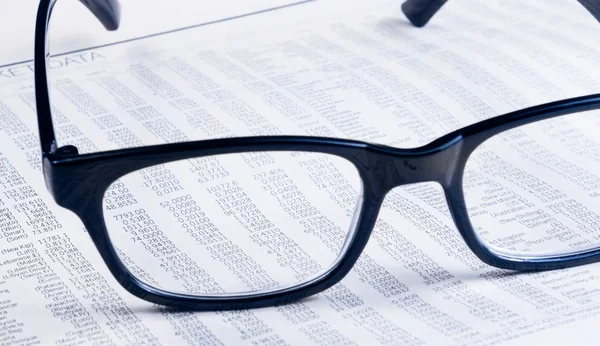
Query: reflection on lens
[(234, 223), (534, 191)]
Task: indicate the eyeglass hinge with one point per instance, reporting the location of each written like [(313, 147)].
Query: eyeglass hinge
[(67, 150)]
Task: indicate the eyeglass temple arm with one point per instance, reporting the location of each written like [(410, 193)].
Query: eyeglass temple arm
[(419, 12), (108, 12)]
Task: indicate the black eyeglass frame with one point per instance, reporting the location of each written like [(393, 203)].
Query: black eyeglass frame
[(78, 182)]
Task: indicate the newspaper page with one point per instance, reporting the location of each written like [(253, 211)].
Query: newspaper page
[(320, 69)]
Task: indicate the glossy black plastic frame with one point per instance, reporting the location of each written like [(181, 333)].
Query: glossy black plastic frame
[(419, 12), (78, 181)]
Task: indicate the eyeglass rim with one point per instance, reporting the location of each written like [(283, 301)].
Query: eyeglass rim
[(70, 178)]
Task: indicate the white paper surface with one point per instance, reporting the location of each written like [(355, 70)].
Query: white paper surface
[(318, 69), (75, 27)]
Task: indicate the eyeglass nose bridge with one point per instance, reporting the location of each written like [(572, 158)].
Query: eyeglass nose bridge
[(432, 163)]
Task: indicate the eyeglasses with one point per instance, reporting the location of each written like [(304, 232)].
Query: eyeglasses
[(250, 222)]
